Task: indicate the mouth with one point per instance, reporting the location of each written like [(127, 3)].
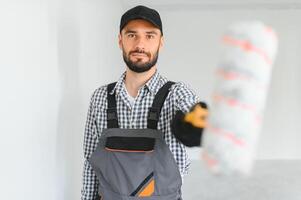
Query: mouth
[(138, 54)]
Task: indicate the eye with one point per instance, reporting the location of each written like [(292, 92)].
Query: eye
[(150, 36), (131, 35)]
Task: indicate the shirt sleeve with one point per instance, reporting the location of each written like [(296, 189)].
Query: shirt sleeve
[(185, 96), (89, 180)]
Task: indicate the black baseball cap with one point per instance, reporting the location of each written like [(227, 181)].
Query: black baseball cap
[(141, 12)]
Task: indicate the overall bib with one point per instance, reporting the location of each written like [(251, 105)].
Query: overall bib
[(136, 163)]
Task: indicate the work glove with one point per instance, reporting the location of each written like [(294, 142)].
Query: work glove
[(188, 127)]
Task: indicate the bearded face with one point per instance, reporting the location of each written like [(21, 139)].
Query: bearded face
[(140, 61), (140, 42)]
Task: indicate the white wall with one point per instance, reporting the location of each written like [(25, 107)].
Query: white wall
[(30, 97), (86, 58), (53, 54)]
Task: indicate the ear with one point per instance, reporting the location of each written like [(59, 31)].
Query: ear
[(119, 41), (161, 42)]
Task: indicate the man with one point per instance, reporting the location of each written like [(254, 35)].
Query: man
[(137, 128)]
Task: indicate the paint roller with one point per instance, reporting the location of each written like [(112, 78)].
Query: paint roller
[(238, 101)]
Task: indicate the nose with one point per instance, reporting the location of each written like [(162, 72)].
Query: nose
[(140, 43)]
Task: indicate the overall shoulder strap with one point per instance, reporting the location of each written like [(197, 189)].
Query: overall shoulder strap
[(112, 118), (155, 110)]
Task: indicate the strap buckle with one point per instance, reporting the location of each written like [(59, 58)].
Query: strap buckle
[(153, 114), (111, 113)]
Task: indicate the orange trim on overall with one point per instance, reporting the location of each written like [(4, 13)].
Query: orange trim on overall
[(129, 151), (148, 190)]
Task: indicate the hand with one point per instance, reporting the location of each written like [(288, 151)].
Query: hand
[(188, 127), (197, 117)]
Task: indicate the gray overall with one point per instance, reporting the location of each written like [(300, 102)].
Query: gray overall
[(136, 163)]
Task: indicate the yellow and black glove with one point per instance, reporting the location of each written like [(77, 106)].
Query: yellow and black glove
[(188, 127)]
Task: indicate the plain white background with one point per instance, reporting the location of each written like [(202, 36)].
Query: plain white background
[(54, 53)]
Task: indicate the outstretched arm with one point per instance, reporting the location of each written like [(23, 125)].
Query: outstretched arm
[(190, 118)]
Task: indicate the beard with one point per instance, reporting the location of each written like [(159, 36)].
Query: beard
[(139, 66)]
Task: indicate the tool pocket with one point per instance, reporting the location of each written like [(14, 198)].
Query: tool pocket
[(130, 165), (130, 144)]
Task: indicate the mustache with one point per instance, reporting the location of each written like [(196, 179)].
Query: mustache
[(140, 51)]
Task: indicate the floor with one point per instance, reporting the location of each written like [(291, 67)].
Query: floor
[(270, 180)]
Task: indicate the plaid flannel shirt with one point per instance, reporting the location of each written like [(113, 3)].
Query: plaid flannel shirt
[(181, 97)]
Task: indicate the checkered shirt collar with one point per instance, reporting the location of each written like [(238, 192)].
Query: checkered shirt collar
[(152, 84)]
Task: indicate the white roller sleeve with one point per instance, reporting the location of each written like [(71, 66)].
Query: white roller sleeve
[(242, 81)]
